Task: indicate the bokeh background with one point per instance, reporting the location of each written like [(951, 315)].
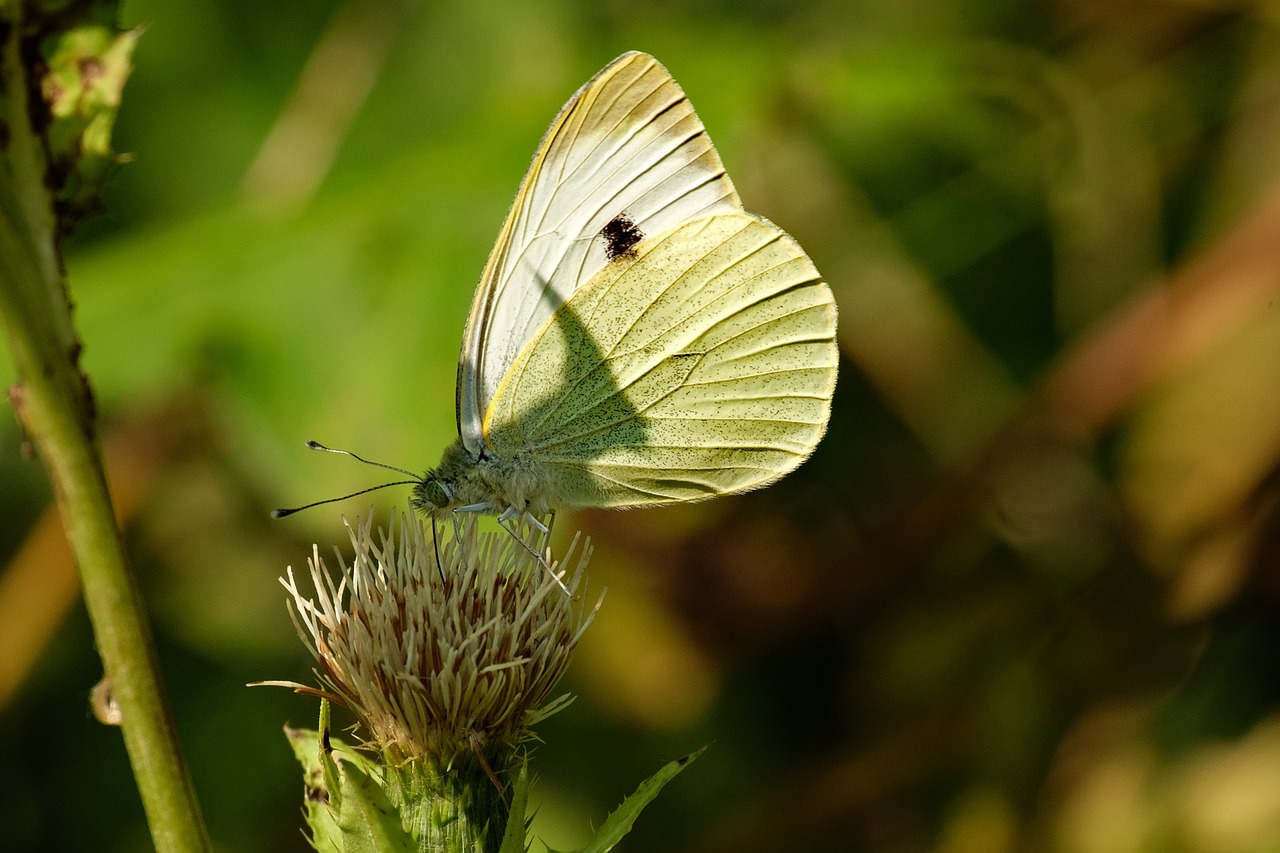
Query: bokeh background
[(1023, 597)]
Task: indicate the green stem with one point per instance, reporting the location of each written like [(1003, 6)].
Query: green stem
[(53, 402)]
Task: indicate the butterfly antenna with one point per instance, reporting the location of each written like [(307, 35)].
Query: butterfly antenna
[(315, 445), (281, 513)]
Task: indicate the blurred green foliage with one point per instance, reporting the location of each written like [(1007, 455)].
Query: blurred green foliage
[(1023, 597)]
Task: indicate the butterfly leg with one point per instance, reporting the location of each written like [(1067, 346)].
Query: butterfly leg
[(510, 514), (508, 521), (457, 526)]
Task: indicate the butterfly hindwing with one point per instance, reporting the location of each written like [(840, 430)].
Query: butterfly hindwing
[(700, 362)]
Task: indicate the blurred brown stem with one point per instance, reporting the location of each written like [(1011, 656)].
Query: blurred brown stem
[(1168, 324), (1096, 381)]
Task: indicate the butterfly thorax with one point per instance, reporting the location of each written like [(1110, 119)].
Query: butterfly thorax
[(481, 483)]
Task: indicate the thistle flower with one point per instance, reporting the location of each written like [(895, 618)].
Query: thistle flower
[(446, 655)]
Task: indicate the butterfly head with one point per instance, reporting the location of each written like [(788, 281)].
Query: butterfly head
[(449, 484), (432, 493)]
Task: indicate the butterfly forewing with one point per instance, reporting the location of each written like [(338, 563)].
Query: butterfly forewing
[(701, 364), (627, 158)]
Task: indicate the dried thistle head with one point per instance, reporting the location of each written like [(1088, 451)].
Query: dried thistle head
[(441, 659)]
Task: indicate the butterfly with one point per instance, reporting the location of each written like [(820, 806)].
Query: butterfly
[(637, 338)]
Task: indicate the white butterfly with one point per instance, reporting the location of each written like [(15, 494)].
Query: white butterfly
[(637, 338)]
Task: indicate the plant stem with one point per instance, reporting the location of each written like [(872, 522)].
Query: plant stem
[(54, 405)]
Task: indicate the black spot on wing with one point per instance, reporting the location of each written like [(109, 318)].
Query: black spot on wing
[(620, 237)]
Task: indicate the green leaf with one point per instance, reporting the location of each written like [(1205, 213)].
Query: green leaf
[(620, 821), (347, 807), (325, 836), (367, 821), (513, 840)]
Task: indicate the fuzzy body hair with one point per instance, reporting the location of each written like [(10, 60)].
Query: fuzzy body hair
[(463, 479)]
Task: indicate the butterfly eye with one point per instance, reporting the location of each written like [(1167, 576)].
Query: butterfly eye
[(434, 492)]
